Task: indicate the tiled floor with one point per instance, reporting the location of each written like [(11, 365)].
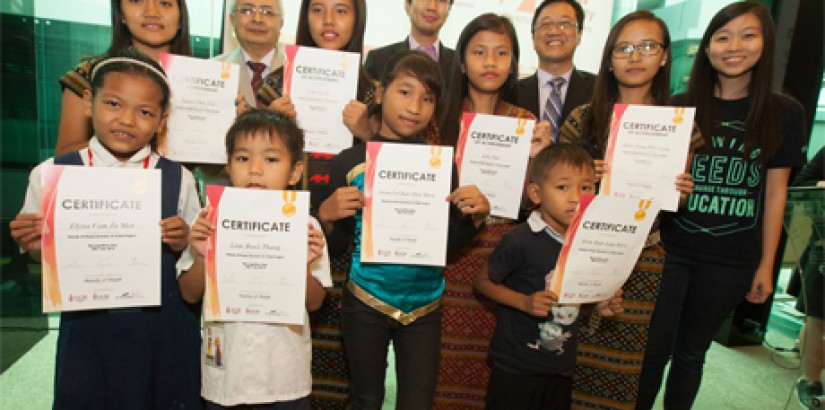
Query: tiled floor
[(751, 377)]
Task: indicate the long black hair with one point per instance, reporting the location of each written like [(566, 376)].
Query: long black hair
[(762, 123), (458, 86), (122, 37), (606, 88), (303, 37)]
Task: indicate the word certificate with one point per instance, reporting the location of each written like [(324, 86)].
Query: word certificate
[(101, 248), (492, 154), (256, 259), (647, 148), (202, 108), (601, 247), (320, 84), (406, 214)]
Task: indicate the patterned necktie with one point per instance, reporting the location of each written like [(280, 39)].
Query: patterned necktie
[(552, 107), (257, 75)]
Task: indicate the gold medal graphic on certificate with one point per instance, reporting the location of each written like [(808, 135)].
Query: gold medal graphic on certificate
[(435, 161), (680, 112), (289, 207), (641, 214)]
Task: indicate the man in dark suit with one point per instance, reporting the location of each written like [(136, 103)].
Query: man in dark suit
[(426, 19), (556, 87)]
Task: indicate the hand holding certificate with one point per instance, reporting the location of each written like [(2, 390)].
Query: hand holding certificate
[(202, 108), (406, 215), (492, 153), (647, 149), (321, 83), (101, 248), (601, 247), (256, 260)]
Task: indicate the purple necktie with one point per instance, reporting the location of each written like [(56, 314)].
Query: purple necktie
[(430, 51)]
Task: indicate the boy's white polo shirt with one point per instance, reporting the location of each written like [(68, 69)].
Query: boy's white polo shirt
[(259, 363)]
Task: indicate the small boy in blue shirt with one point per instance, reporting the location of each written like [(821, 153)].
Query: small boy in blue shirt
[(534, 344)]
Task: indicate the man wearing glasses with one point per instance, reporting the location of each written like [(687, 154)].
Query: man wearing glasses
[(556, 87), (257, 25)]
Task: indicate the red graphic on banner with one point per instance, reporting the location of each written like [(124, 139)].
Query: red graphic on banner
[(527, 6)]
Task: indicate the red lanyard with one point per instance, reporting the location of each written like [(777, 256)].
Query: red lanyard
[(91, 163)]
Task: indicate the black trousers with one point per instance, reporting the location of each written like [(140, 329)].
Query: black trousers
[(367, 334), (512, 391)]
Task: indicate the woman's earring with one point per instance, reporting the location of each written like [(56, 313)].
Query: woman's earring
[(663, 63)]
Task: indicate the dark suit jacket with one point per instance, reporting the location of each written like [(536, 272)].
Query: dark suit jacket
[(579, 92), (376, 61)]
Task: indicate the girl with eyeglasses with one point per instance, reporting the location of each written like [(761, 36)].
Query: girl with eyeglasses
[(151, 27), (722, 244), (635, 69)]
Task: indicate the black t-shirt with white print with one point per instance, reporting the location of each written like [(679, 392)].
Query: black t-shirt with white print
[(522, 343), (722, 220)]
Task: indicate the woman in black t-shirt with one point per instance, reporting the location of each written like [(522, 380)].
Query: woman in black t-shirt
[(721, 246)]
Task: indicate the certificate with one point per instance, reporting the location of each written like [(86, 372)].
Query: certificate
[(101, 248), (256, 261), (321, 83), (492, 154), (406, 215), (647, 149), (601, 247), (202, 108)]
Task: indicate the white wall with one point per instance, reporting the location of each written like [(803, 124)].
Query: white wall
[(386, 22), (204, 15)]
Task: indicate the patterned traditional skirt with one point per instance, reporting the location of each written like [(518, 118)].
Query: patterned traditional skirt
[(611, 350), (467, 327), (330, 385)]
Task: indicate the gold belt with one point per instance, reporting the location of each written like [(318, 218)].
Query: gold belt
[(395, 313)]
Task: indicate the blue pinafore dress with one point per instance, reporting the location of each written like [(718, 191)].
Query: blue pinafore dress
[(136, 358)]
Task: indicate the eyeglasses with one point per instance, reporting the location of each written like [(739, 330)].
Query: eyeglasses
[(561, 25), (648, 48), (249, 11)]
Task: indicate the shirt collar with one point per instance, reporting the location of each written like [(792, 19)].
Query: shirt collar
[(104, 158), (544, 77), (415, 46), (267, 60), (537, 224)]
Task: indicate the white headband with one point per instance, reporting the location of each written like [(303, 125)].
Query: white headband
[(131, 61)]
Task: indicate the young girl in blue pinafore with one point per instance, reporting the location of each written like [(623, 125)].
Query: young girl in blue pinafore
[(387, 302), (137, 358)]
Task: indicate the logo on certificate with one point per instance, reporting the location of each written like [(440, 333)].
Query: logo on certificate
[(435, 161), (521, 123), (225, 70), (641, 214), (679, 111), (289, 208)]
